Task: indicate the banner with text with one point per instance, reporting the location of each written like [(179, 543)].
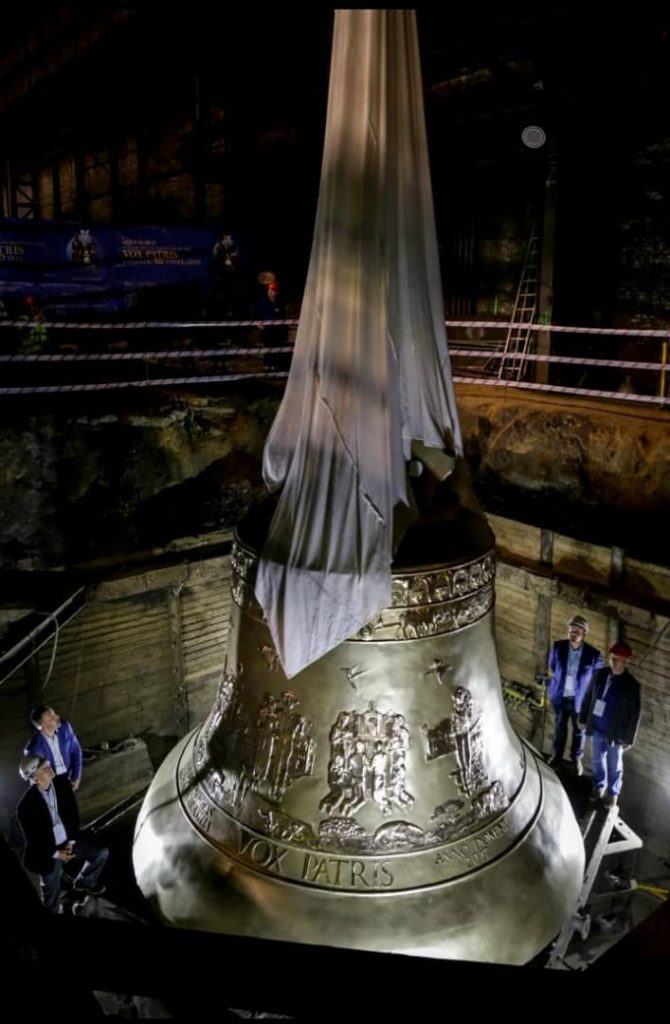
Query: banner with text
[(70, 268)]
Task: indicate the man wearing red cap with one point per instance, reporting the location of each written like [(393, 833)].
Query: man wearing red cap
[(611, 715)]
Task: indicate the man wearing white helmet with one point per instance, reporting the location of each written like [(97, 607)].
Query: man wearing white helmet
[(572, 663), (49, 818)]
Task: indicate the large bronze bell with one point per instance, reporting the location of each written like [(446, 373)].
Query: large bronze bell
[(380, 800)]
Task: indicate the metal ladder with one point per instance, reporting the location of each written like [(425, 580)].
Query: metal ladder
[(598, 840), (518, 340)]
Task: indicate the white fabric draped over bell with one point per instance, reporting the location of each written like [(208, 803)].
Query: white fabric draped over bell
[(370, 371)]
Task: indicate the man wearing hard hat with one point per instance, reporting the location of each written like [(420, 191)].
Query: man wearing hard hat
[(611, 716), (572, 663)]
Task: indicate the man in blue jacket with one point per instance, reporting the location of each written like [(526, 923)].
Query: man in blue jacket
[(611, 716), (55, 739), (572, 663)]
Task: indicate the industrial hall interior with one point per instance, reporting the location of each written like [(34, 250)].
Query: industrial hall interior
[(334, 506)]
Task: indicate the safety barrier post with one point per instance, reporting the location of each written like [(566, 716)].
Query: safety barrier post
[(664, 362)]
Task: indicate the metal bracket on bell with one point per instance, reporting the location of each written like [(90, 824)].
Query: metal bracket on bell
[(436, 460)]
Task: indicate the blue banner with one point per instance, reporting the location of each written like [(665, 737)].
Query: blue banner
[(71, 268)]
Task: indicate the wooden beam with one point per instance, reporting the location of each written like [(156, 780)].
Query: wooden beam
[(547, 547), (179, 689), (542, 628), (605, 601), (617, 565), (162, 579)]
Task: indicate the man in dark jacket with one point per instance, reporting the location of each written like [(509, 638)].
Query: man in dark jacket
[(611, 716), (49, 818), (572, 663)]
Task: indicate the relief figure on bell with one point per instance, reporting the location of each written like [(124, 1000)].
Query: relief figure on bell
[(367, 761)]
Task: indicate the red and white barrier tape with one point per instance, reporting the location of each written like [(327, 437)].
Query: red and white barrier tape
[(144, 325), (618, 396), (50, 389), (141, 325), (622, 364), (616, 332), (278, 374), (213, 353), (111, 357)]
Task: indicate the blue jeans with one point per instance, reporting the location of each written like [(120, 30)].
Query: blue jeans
[(565, 714), (607, 760), (94, 856)]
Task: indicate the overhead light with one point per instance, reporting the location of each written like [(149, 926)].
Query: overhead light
[(533, 136)]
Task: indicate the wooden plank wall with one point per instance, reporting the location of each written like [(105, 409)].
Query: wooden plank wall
[(142, 659), (515, 617), (545, 579), (111, 667)]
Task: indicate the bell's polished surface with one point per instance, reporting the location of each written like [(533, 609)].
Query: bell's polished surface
[(380, 800)]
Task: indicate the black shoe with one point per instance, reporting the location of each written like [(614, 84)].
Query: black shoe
[(90, 890)]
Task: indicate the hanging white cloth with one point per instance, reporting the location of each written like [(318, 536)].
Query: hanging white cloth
[(370, 371)]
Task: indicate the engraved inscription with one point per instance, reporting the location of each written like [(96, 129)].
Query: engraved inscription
[(367, 762), (186, 776), (338, 852), (475, 850), (352, 874), (262, 852), (199, 807)]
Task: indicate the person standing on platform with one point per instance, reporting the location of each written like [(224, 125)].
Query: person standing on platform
[(611, 716), (572, 663)]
